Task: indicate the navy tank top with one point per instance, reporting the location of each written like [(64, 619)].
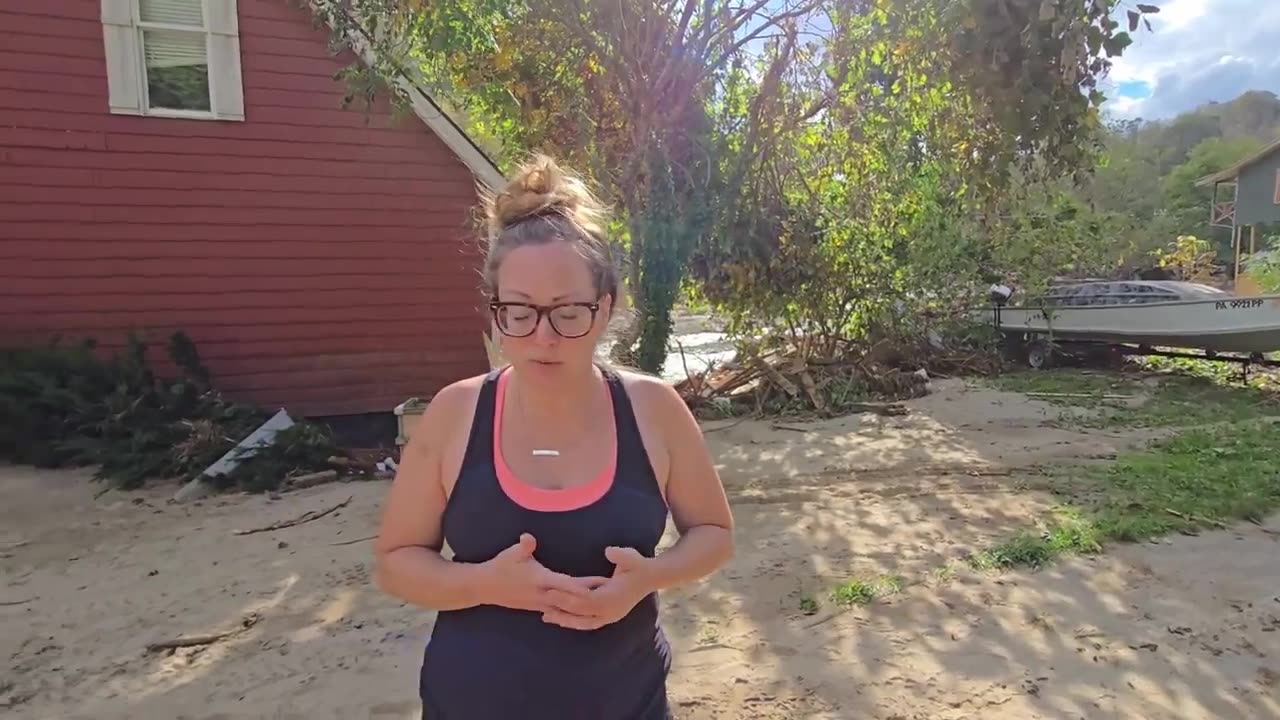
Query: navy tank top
[(494, 663)]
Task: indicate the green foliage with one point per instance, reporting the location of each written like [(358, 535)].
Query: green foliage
[(1187, 206), (1033, 67), (1200, 479), (803, 181), (863, 592), (69, 406), (303, 446), (1192, 392), (611, 89), (1145, 181), (1264, 267), (895, 184), (1070, 533), (1188, 258)]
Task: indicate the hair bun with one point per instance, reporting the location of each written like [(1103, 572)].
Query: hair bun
[(568, 212), (540, 186)]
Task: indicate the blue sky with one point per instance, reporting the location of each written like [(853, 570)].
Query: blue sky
[(1199, 51)]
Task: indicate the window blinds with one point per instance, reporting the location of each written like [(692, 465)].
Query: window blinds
[(172, 12)]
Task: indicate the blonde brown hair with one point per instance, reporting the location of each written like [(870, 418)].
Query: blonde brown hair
[(543, 203)]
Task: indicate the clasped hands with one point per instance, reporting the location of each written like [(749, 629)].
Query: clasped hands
[(515, 579)]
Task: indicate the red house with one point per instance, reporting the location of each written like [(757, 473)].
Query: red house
[(187, 165)]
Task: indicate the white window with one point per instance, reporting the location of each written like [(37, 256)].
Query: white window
[(174, 58)]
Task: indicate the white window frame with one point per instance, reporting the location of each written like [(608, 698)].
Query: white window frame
[(122, 29)]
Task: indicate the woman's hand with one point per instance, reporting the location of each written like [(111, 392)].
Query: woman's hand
[(514, 579), (610, 600)]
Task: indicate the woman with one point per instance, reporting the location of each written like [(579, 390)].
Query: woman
[(551, 480)]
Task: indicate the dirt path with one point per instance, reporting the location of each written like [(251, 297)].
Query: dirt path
[(1187, 628)]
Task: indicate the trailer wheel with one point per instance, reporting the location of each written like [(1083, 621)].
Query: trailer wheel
[(1012, 347), (1039, 355)]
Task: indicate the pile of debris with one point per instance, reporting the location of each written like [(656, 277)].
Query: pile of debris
[(69, 405), (791, 382)]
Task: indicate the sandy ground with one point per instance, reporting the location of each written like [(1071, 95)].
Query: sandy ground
[(1185, 628)]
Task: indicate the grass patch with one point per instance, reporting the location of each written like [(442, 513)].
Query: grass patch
[(1064, 382), (808, 604), (1069, 533), (863, 592), (1202, 478), (1222, 373), (1169, 399)]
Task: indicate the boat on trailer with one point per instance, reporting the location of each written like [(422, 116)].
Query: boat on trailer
[(1145, 313)]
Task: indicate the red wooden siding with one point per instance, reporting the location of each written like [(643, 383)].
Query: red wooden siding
[(320, 258)]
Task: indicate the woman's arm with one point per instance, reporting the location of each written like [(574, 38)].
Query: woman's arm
[(408, 564), (695, 495)]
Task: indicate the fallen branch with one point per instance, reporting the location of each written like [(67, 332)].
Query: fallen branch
[(1197, 519), (811, 389), (353, 542), (886, 409), (772, 373), (685, 363), (304, 518), (14, 545), (206, 639), (312, 479), (1091, 396), (11, 603), (718, 428)]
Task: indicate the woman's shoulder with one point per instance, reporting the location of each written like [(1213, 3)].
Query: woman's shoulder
[(636, 380), (455, 401), (655, 396)]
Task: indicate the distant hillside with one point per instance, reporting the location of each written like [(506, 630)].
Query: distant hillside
[(1254, 114), (1146, 183)]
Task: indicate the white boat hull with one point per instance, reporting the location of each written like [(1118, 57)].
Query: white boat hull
[(1230, 324)]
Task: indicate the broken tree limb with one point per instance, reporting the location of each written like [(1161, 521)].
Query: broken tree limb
[(205, 639), (775, 377), (1089, 396), (11, 603), (303, 518), (1196, 518), (718, 428), (886, 409), (811, 389), (311, 479)]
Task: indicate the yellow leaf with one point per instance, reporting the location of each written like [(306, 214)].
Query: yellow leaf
[(503, 60)]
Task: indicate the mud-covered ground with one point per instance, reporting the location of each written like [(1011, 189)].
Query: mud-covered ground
[(1187, 627)]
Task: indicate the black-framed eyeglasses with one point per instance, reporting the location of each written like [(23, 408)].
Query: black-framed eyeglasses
[(569, 320)]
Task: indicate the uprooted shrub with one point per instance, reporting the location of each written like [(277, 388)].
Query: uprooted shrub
[(68, 405)]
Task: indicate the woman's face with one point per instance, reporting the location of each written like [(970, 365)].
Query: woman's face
[(547, 276)]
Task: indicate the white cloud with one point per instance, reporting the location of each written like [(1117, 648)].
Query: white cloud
[(1198, 51)]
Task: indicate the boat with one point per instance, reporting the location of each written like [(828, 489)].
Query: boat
[(1148, 313)]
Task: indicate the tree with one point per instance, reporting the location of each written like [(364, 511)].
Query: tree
[(619, 89), (810, 142), (1186, 207), (895, 179)]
